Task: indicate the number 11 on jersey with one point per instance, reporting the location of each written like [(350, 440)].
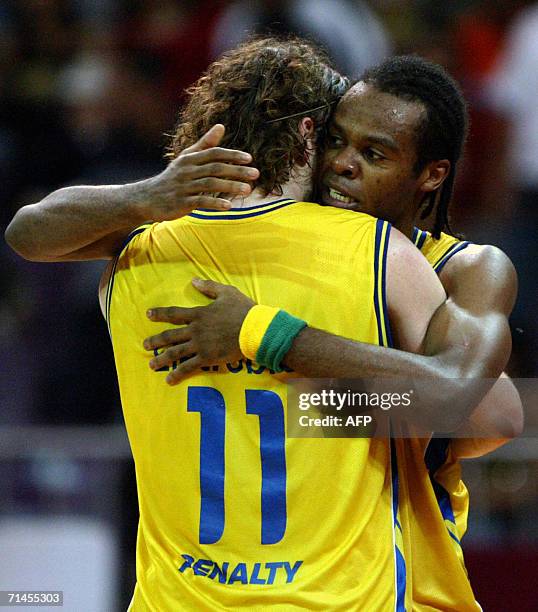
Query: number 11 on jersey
[(267, 405)]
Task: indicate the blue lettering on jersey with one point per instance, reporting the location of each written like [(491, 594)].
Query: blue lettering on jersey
[(260, 573), (243, 365), (239, 574)]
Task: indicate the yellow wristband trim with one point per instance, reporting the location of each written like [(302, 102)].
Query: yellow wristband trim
[(253, 330)]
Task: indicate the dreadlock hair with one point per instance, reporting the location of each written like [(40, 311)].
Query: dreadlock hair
[(259, 91), (441, 133)]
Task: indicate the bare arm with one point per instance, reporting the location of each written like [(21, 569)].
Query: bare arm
[(77, 222), (91, 222), (468, 338)]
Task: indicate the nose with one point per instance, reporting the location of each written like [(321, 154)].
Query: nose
[(345, 164)]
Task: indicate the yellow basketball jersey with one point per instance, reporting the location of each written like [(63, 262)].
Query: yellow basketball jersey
[(438, 251), (435, 517), (233, 514)]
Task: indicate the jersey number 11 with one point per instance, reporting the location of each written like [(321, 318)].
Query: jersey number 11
[(267, 405)]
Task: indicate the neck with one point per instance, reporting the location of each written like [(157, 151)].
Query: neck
[(406, 226), (257, 197), (297, 188)]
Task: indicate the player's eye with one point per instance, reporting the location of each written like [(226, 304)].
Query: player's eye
[(373, 155), (334, 140)]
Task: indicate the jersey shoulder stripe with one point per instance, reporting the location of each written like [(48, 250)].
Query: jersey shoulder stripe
[(438, 251), (455, 248), (400, 565), (240, 213), (382, 235), (419, 237), (110, 284)]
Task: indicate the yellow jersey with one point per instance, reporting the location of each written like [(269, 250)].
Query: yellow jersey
[(233, 513), (437, 501)]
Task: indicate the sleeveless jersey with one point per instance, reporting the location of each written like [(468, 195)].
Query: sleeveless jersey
[(233, 514), (435, 519)]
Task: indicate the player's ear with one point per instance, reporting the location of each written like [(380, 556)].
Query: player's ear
[(306, 128), (307, 131), (433, 175)]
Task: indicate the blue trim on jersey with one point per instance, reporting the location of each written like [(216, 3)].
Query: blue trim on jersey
[(453, 537), (108, 295), (443, 500), (435, 456), (449, 254), (422, 239), (380, 265), (258, 206), (419, 237), (376, 273), (384, 288), (400, 585), (247, 213), (134, 233), (400, 560), (394, 476), (110, 286)]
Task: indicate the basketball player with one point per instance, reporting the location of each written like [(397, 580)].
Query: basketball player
[(161, 198), (232, 514), (371, 164)]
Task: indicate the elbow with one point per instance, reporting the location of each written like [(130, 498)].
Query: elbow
[(13, 236), (20, 236)]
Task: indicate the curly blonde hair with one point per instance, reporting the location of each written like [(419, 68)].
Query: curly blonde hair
[(259, 91)]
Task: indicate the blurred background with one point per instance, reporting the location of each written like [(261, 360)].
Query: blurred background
[(88, 89)]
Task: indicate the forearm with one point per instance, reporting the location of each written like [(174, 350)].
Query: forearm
[(319, 354), (445, 402), (91, 222), (70, 219)]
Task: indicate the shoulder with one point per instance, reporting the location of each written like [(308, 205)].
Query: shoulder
[(487, 258), (484, 270), (407, 267)]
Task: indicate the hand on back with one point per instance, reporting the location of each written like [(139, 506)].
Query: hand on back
[(199, 177), (210, 334)]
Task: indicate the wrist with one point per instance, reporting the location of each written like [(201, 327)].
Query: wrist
[(267, 334), (253, 329), (133, 200)]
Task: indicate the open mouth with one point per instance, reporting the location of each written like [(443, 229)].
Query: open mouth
[(340, 197)]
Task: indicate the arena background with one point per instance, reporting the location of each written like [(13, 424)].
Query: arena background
[(87, 90)]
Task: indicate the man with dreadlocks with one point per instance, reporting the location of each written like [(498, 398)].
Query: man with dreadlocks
[(232, 513), (404, 122)]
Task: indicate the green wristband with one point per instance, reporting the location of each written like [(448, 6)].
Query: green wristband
[(277, 340)]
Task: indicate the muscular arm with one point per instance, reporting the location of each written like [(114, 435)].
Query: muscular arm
[(77, 223), (468, 338), (87, 222)]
